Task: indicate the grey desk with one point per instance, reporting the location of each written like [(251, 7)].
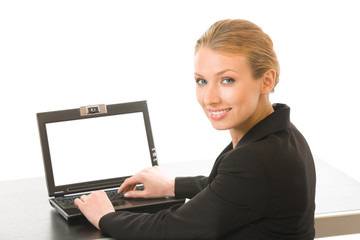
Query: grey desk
[(337, 202), (26, 213)]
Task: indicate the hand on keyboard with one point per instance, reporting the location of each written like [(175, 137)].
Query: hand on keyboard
[(67, 202), (94, 206), (156, 184)]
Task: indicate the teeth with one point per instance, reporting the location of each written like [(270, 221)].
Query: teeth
[(219, 112)]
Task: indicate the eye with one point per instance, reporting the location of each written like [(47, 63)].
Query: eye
[(228, 80), (201, 81)]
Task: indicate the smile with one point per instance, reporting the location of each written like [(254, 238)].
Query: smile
[(217, 114)]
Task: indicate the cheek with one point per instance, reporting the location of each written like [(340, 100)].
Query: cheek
[(233, 95), (245, 97), (200, 96)]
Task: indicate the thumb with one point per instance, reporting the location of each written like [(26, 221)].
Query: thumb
[(136, 194)]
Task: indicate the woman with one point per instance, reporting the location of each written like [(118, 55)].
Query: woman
[(262, 185)]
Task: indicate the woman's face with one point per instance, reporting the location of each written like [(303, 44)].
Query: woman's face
[(226, 90)]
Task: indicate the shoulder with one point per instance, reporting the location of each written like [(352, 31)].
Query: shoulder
[(240, 158), (286, 149), (284, 144), (242, 166)]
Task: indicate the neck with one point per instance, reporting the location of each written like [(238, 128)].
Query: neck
[(261, 112)]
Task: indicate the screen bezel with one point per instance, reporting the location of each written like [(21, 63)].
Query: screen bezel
[(74, 114)]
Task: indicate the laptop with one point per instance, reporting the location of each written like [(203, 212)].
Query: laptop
[(97, 147)]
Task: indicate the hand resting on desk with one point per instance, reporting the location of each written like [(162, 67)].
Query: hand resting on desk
[(156, 184)]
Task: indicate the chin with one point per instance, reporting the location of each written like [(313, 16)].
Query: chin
[(219, 126)]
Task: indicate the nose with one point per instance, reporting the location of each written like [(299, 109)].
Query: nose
[(212, 96)]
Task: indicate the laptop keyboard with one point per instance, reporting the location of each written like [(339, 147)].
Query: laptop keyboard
[(67, 202)]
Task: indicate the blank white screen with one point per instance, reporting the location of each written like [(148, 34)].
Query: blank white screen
[(98, 148)]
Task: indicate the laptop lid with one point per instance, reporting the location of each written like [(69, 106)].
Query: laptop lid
[(95, 147)]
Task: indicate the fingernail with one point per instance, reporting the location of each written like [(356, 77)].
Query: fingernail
[(127, 195)]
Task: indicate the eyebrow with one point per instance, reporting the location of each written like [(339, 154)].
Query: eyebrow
[(219, 73)]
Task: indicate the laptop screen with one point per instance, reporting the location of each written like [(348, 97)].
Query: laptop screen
[(98, 148)]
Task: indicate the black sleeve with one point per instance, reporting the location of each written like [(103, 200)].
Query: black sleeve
[(188, 187), (235, 198)]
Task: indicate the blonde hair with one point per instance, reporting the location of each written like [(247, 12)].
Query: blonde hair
[(246, 38)]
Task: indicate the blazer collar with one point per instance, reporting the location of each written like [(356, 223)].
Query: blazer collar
[(277, 121)]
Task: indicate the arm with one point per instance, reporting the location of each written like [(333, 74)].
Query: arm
[(188, 187), (215, 211), (157, 184)]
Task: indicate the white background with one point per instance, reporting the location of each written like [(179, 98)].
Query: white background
[(65, 54)]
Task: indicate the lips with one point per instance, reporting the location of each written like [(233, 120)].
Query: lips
[(217, 114)]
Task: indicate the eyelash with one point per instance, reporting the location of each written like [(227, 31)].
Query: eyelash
[(228, 79), (201, 81)]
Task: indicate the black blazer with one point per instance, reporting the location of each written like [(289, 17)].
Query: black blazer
[(264, 188)]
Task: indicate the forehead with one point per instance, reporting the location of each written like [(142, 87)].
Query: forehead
[(210, 61)]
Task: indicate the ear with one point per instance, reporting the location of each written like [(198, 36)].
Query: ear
[(268, 81)]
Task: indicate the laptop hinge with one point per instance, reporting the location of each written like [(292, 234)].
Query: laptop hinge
[(59, 194)]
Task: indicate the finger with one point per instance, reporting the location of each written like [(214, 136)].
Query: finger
[(126, 188), (78, 203), (83, 198), (136, 194), (100, 192), (129, 184)]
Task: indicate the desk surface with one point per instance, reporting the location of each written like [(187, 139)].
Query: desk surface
[(27, 214)]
